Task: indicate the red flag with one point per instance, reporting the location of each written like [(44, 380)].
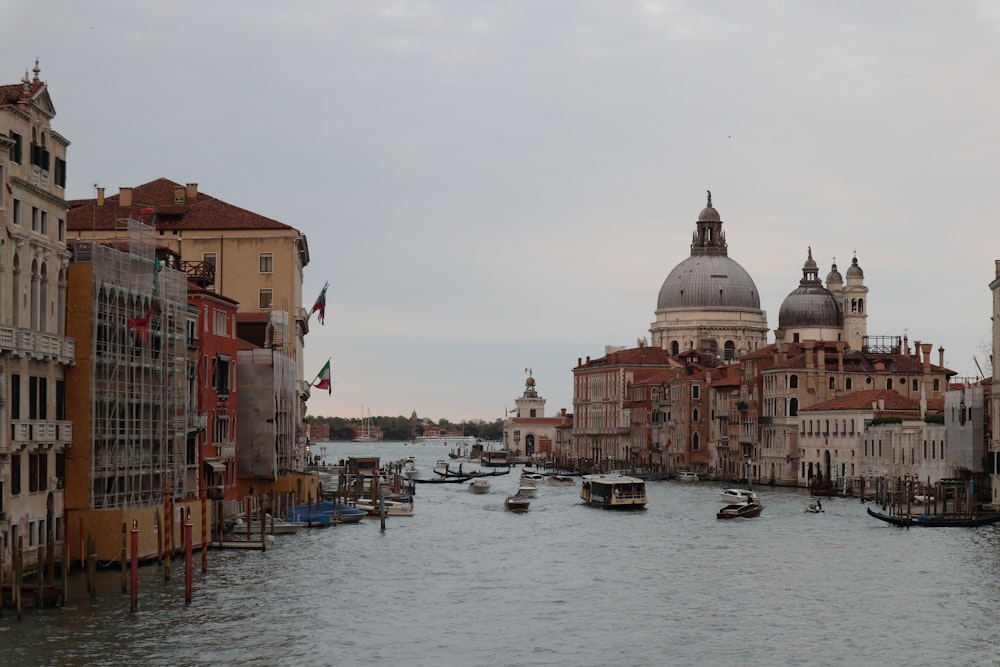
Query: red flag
[(140, 325)]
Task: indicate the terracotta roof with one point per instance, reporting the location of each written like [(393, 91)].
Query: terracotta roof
[(635, 356), (200, 212), (253, 316), (14, 92), (862, 400)]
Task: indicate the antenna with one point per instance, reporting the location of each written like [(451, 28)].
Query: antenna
[(981, 374)]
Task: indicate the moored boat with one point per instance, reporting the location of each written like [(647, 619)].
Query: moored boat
[(937, 521), (686, 476), (614, 491)]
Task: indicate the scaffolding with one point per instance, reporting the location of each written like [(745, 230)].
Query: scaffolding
[(138, 380)]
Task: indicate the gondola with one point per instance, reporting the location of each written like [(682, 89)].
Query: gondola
[(472, 474), (930, 521), (443, 480)]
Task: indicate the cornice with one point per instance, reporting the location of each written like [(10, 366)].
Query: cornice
[(44, 194)]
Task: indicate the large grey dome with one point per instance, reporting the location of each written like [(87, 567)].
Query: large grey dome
[(708, 278), (811, 304), (708, 281)]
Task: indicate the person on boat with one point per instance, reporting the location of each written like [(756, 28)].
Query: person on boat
[(819, 505)]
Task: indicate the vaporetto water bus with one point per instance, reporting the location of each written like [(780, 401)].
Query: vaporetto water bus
[(613, 491)]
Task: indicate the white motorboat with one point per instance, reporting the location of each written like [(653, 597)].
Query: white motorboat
[(739, 495), (480, 485), (686, 476), (392, 508), (532, 477), (561, 480), (527, 489)]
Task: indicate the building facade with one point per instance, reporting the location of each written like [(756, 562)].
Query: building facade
[(528, 431), (35, 350)]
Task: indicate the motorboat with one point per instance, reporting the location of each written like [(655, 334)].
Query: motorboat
[(479, 485), (815, 508), (517, 503), (686, 476), (561, 480), (746, 510), (527, 489), (739, 495), (532, 477), (613, 491), (410, 470)]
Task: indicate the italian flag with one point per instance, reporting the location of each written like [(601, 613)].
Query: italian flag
[(323, 379)]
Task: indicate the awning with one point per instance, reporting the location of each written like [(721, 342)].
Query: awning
[(216, 465)]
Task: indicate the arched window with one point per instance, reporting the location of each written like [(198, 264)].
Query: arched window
[(695, 443), (849, 384), (861, 305), (832, 382), (793, 407), (675, 348), (793, 381), (694, 415), (888, 383), (729, 350)]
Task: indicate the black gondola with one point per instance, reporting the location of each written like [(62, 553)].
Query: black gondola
[(931, 521)]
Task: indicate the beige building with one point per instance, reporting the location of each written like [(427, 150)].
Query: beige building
[(258, 262), (34, 348), (994, 405), (529, 432)]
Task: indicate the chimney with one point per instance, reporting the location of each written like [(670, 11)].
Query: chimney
[(191, 191), (916, 349), (906, 345), (926, 347), (100, 196), (178, 196), (125, 197), (998, 268), (941, 356)]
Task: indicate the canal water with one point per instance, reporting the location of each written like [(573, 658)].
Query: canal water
[(465, 583)]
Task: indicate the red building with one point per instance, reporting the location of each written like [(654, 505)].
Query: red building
[(215, 387)]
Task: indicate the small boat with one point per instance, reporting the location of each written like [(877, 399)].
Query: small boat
[(932, 521), (532, 477), (746, 510), (739, 495), (613, 491), (527, 489), (516, 503), (410, 470), (392, 508), (561, 480), (815, 508), (479, 486), (686, 476)]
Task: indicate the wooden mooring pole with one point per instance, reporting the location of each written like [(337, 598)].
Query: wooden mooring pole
[(134, 562), (187, 559)]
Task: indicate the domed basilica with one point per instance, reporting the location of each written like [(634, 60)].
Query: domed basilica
[(709, 302)]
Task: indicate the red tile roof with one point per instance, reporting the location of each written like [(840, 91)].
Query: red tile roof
[(863, 400), (14, 92), (200, 212)]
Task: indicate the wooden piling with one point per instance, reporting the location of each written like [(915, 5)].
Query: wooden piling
[(124, 558), (204, 531), (134, 561), (187, 559), (18, 574), (91, 560)]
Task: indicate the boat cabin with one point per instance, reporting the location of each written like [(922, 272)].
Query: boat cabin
[(614, 491)]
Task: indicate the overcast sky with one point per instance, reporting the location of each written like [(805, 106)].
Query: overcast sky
[(490, 187)]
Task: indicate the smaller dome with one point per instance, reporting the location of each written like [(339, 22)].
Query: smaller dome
[(709, 214), (811, 305), (834, 277), (854, 271)]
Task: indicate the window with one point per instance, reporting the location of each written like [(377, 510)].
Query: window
[(15, 147), (793, 407), (695, 442), (675, 348), (44, 223), (209, 259), (16, 215), (695, 391), (694, 416), (265, 299), (34, 218), (832, 383), (795, 338), (793, 382), (937, 384), (15, 474), (730, 350), (266, 262), (888, 383), (220, 373), (531, 413), (62, 230), (60, 173), (849, 384), (220, 322), (15, 396)]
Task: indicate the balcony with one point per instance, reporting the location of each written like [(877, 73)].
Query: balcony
[(197, 421), (31, 432), (37, 345), (227, 451)]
